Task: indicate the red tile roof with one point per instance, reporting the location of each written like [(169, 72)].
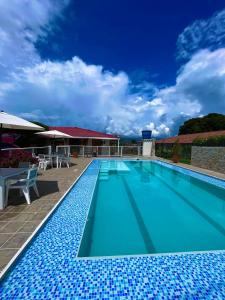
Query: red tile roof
[(77, 132), (189, 138)]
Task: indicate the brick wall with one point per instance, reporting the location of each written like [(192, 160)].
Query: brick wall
[(212, 158)]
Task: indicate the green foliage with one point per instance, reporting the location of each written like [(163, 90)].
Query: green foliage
[(176, 148), (217, 141), (166, 151), (176, 151), (211, 122), (185, 161)]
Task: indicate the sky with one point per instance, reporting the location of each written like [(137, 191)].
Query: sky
[(114, 66)]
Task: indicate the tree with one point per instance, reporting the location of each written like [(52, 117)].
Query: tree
[(211, 122)]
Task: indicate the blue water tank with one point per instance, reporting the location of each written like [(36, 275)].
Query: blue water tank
[(146, 134)]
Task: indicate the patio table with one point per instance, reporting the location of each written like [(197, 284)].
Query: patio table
[(6, 173)]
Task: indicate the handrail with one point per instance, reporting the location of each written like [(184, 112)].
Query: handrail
[(49, 149), (109, 151), (87, 150), (24, 148)]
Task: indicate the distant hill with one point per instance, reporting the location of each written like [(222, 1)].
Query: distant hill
[(211, 122)]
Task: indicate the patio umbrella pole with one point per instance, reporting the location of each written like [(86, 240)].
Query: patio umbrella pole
[(1, 132)]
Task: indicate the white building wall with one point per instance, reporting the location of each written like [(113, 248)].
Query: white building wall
[(148, 148)]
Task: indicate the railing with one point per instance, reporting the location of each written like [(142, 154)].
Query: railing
[(32, 150), (104, 151), (83, 151)]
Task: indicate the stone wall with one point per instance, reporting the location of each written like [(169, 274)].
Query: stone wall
[(212, 158)]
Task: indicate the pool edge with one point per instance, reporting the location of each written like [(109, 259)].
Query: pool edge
[(13, 260)]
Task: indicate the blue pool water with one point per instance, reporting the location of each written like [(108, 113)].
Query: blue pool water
[(142, 207), (49, 268)]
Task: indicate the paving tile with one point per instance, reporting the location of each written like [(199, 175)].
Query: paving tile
[(4, 237), (17, 208), (16, 217), (6, 255), (29, 226), (2, 224), (32, 208), (38, 216), (8, 216), (17, 240), (11, 227), (46, 208)]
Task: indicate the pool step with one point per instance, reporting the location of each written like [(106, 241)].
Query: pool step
[(103, 177), (104, 174)]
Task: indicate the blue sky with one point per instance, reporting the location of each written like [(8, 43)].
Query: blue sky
[(118, 66)]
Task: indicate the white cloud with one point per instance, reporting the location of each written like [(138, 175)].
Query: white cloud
[(202, 34), (22, 23), (75, 93)]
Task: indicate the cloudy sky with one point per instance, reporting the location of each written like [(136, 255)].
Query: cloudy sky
[(116, 66)]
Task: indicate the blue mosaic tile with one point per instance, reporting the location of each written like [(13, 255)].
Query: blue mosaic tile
[(49, 267)]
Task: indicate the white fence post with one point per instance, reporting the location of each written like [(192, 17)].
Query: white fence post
[(121, 151), (50, 149)]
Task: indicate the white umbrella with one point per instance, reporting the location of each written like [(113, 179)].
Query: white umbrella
[(54, 134), (14, 122)]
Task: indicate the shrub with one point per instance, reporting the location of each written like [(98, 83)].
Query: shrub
[(176, 152), (12, 158), (216, 141)]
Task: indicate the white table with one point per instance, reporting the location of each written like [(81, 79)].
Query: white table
[(6, 173)]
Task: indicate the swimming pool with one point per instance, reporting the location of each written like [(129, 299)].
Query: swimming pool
[(49, 266), (142, 207)]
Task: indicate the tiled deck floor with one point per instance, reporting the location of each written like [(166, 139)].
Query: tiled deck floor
[(19, 220)]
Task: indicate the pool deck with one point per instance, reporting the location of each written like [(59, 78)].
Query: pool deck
[(19, 220)]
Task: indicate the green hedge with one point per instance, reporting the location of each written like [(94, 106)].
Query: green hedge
[(217, 141), (166, 151)]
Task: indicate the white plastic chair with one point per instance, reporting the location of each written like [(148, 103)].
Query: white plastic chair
[(43, 162), (25, 165), (64, 160), (24, 185)]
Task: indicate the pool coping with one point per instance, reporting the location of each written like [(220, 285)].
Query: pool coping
[(98, 258), (13, 260), (187, 170)]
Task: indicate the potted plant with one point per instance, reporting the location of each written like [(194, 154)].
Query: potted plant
[(75, 154), (176, 152)]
